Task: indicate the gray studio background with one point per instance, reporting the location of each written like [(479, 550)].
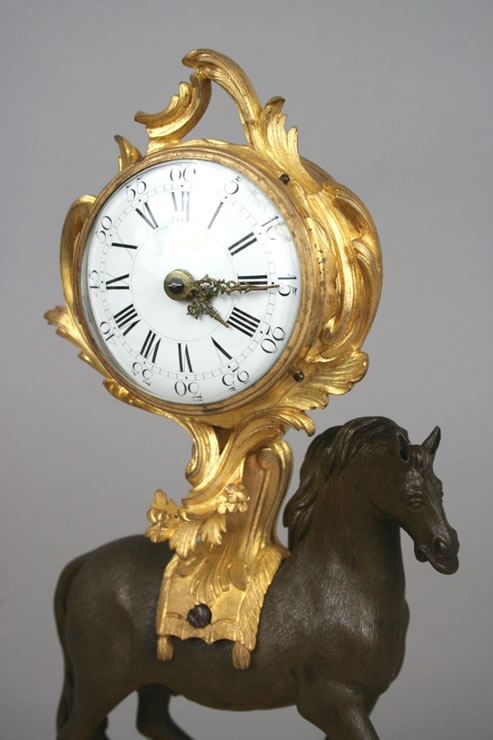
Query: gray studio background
[(394, 100)]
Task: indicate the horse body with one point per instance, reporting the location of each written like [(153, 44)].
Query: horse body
[(333, 625)]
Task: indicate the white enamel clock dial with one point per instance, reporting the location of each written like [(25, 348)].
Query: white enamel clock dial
[(206, 219)]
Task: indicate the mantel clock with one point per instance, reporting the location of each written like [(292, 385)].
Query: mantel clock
[(228, 287)]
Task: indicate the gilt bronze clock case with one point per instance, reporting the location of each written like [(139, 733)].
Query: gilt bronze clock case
[(223, 534)]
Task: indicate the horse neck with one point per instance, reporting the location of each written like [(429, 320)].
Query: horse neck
[(346, 527)]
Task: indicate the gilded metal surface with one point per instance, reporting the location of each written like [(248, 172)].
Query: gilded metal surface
[(234, 577), (223, 533)]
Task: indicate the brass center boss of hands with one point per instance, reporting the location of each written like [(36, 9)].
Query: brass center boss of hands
[(179, 285), (296, 268)]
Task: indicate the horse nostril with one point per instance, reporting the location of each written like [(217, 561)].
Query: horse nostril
[(440, 547)]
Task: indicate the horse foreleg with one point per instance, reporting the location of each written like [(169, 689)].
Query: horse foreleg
[(335, 709), (153, 718)]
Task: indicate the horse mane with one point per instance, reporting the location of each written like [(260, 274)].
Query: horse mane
[(328, 453)]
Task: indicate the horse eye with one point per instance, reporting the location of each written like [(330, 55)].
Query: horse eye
[(416, 503)]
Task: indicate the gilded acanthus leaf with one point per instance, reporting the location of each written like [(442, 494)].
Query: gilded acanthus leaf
[(328, 378), (66, 317), (213, 529), (184, 111), (128, 153), (67, 327), (228, 75), (184, 539), (281, 145)]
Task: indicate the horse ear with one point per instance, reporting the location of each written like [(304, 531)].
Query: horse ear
[(403, 446), (432, 441)]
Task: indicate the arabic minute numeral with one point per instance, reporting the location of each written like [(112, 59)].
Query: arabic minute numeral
[(105, 330), (230, 379), (284, 288), (182, 173), (270, 343), (104, 227), (144, 372), (183, 389), (269, 226), (232, 187), (135, 188), (94, 280)]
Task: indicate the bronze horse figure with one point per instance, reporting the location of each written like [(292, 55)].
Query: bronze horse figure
[(333, 625)]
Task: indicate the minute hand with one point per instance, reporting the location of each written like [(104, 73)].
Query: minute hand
[(210, 287)]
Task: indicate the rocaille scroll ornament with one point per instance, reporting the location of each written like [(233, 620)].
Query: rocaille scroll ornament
[(223, 534)]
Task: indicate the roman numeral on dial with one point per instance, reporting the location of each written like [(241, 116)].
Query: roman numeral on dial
[(148, 216), (181, 204), (221, 349), (124, 318), (253, 279), (184, 359), (150, 346), (243, 321), (242, 243), (216, 214), (113, 283)]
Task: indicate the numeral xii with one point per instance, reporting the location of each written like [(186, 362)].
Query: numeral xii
[(181, 203)]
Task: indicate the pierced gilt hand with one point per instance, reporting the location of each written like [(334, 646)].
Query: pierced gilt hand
[(202, 291)]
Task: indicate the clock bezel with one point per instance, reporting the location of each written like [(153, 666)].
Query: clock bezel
[(245, 161)]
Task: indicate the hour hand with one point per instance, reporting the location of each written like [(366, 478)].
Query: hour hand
[(196, 307)]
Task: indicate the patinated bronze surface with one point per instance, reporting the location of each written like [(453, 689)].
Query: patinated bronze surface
[(334, 620)]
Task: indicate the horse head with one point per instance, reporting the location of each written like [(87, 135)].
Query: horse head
[(417, 502), (372, 458)]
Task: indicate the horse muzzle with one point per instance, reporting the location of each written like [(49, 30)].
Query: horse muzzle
[(442, 554)]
